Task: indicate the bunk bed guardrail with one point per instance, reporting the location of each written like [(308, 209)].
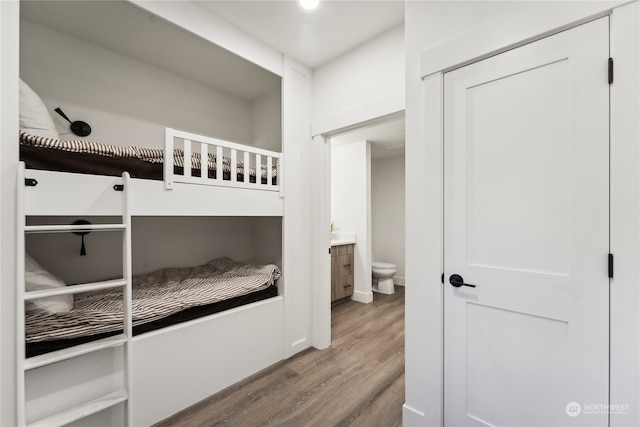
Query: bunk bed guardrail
[(266, 164)]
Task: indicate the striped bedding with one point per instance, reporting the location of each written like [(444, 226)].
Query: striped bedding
[(148, 155), (155, 296)]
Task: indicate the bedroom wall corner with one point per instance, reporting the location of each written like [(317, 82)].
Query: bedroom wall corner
[(266, 116), (9, 31)]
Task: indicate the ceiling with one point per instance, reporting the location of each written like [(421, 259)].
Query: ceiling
[(311, 37), (319, 36)]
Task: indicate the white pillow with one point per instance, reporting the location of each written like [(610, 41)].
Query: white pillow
[(37, 278), (34, 117)]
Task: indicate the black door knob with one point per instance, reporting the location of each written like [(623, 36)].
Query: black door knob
[(457, 281)]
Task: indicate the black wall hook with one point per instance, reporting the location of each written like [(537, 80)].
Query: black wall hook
[(82, 233), (78, 127)]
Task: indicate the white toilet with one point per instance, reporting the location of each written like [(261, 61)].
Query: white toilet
[(382, 277)]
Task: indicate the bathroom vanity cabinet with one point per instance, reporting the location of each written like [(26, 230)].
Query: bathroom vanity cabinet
[(341, 272)]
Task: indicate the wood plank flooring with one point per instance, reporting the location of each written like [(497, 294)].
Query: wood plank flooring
[(358, 381)]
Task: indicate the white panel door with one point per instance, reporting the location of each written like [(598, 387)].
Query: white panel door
[(527, 223)]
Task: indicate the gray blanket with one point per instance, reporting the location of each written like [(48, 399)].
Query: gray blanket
[(155, 295)]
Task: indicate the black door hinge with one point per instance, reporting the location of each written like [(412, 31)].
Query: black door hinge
[(118, 187), (442, 278), (610, 70), (30, 182), (610, 266)]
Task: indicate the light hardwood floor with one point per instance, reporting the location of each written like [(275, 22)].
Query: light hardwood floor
[(358, 381)]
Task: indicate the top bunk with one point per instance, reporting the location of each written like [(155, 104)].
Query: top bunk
[(203, 176), (196, 127)]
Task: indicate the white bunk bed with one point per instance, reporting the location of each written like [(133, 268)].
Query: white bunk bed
[(158, 373), (129, 89)]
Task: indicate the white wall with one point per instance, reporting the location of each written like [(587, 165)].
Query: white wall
[(458, 31), (267, 240), (366, 83), (351, 207), (126, 102), (387, 213), (266, 117)]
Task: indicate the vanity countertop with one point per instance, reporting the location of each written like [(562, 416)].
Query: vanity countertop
[(338, 239)]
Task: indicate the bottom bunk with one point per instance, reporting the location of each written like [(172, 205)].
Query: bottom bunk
[(172, 368), (197, 330), (159, 299)]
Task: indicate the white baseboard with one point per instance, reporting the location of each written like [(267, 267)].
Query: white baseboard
[(398, 280), (364, 297), (412, 417)]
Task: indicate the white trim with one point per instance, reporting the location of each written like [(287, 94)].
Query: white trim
[(424, 257), (363, 297), (411, 417), (21, 418), (424, 334), (486, 42), (360, 116), (625, 215), (321, 241), (297, 230)]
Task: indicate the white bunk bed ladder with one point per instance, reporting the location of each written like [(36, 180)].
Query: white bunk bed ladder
[(248, 156), (124, 339)]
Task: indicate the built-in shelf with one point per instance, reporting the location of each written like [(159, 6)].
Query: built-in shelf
[(81, 411)]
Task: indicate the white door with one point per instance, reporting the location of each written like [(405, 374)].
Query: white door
[(527, 222)]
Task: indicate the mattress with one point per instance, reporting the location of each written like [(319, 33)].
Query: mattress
[(41, 347), (88, 157), (159, 299)]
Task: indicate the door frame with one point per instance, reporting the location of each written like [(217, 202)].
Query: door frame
[(424, 192), (322, 131)]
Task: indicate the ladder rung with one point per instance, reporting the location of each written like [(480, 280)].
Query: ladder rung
[(68, 228), (75, 351), (83, 410), (74, 289)]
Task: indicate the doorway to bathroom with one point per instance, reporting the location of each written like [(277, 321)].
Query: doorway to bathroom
[(367, 209)]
